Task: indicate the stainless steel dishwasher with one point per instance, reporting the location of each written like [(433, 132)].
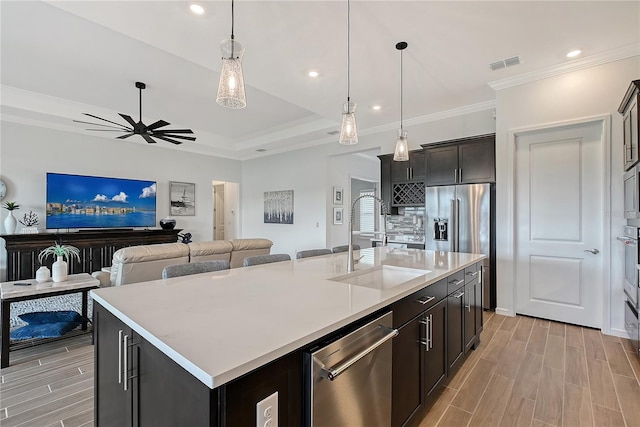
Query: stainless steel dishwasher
[(349, 379)]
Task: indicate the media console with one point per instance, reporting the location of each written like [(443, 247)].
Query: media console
[(96, 248)]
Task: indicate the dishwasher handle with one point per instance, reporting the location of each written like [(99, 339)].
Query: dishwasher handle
[(333, 373)]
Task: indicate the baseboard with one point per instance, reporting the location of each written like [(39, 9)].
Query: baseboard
[(504, 312), (618, 333)]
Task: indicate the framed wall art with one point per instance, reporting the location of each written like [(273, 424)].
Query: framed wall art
[(183, 198), (338, 195), (337, 216), (278, 207)]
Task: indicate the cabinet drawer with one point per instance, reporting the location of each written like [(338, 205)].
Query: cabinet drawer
[(471, 273), (455, 281), (409, 307)]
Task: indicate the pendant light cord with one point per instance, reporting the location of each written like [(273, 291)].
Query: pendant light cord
[(401, 91), (348, 50), (232, 22)]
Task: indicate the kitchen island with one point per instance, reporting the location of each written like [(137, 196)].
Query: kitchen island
[(217, 332)]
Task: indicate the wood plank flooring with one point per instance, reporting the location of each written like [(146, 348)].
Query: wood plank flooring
[(533, 372), (526, 372)]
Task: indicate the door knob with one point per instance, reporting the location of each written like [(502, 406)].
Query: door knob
[(593, 251)]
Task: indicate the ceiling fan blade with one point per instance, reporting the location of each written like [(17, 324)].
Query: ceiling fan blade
[(128, 119), (127, 135), (157, 124), (174, 131), (106, 130), (148, 138), (100, 124), (100, 118), (166, 135), (167, 139)]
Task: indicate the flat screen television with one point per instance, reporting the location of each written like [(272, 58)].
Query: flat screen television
[(78, 201)]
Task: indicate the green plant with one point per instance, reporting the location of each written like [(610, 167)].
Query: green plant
[(11, 206), (66, 251)]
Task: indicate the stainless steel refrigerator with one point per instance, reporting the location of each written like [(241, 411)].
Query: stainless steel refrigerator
[(461, 218)]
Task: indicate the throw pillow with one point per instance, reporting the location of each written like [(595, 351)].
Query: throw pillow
[(43, 330), (42, 317)]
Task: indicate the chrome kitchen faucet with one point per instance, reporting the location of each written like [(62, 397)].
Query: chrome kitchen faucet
[(383, 208)]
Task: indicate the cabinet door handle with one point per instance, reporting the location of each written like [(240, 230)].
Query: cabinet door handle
[(468, 307), (460, 175), (457, 282), (126, 362), (459, 295), (431, 331), (455, 176), (474, 274), (425, 300), (120, 356)]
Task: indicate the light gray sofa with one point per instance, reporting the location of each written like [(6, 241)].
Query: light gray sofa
[(142, 263)]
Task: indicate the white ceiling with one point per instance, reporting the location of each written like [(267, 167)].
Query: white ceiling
[(62, 59)]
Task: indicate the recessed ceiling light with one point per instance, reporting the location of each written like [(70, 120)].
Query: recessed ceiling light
[(574, 53), (376, 107), (313, 74), (196, 9)]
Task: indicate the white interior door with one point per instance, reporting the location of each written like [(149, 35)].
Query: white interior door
[(559, 224), (218, 212)]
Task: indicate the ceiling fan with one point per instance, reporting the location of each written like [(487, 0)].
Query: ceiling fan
[(147, 132)]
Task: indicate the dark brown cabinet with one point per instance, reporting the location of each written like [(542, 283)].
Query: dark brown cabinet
[(411, 170), (435, 362), (473, 321), (133, 377), (96, 248), (462, 161), (630, 122), (455, 325), (436, 331), (402, 183)]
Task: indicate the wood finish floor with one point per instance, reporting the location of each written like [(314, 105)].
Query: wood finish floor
[(532, 372), (526, 372)]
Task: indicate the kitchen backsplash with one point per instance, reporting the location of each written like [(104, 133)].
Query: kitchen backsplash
[(410, 220)]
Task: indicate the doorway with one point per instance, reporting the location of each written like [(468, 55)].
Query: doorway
[(226, 218), (559, 217)]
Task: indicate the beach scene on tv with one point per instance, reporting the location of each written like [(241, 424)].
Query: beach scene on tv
[(76, 201)]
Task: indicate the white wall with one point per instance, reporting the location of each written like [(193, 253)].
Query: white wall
[(28, 153), (312, 173), (576, 95)]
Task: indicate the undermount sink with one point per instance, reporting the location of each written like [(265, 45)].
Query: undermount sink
[(382, 277)]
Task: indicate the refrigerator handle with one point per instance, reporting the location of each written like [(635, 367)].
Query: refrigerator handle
[(453, 233), (456, 214)]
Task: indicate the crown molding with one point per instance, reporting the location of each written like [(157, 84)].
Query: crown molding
[(575, 65)]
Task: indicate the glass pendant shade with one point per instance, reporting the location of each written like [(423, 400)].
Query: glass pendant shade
[(401, 154), (231, 88), (348, 130)]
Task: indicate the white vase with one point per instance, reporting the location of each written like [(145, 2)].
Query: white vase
[(59, 270), (10, 223), (43, 274)]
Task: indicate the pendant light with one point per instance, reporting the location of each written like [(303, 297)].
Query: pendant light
[(231, 87), (348, 130), (401, 153)]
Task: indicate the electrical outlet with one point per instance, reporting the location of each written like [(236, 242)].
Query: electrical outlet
[(267, 411)]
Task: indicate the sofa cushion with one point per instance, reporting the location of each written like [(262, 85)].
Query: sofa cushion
[(143, 253), (243, 248), (210, 251), (246, 244)]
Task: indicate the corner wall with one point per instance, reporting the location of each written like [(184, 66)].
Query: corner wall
[(29, 152), (580, 94)]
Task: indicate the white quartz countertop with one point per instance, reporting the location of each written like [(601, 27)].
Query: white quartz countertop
[(219, 326)]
